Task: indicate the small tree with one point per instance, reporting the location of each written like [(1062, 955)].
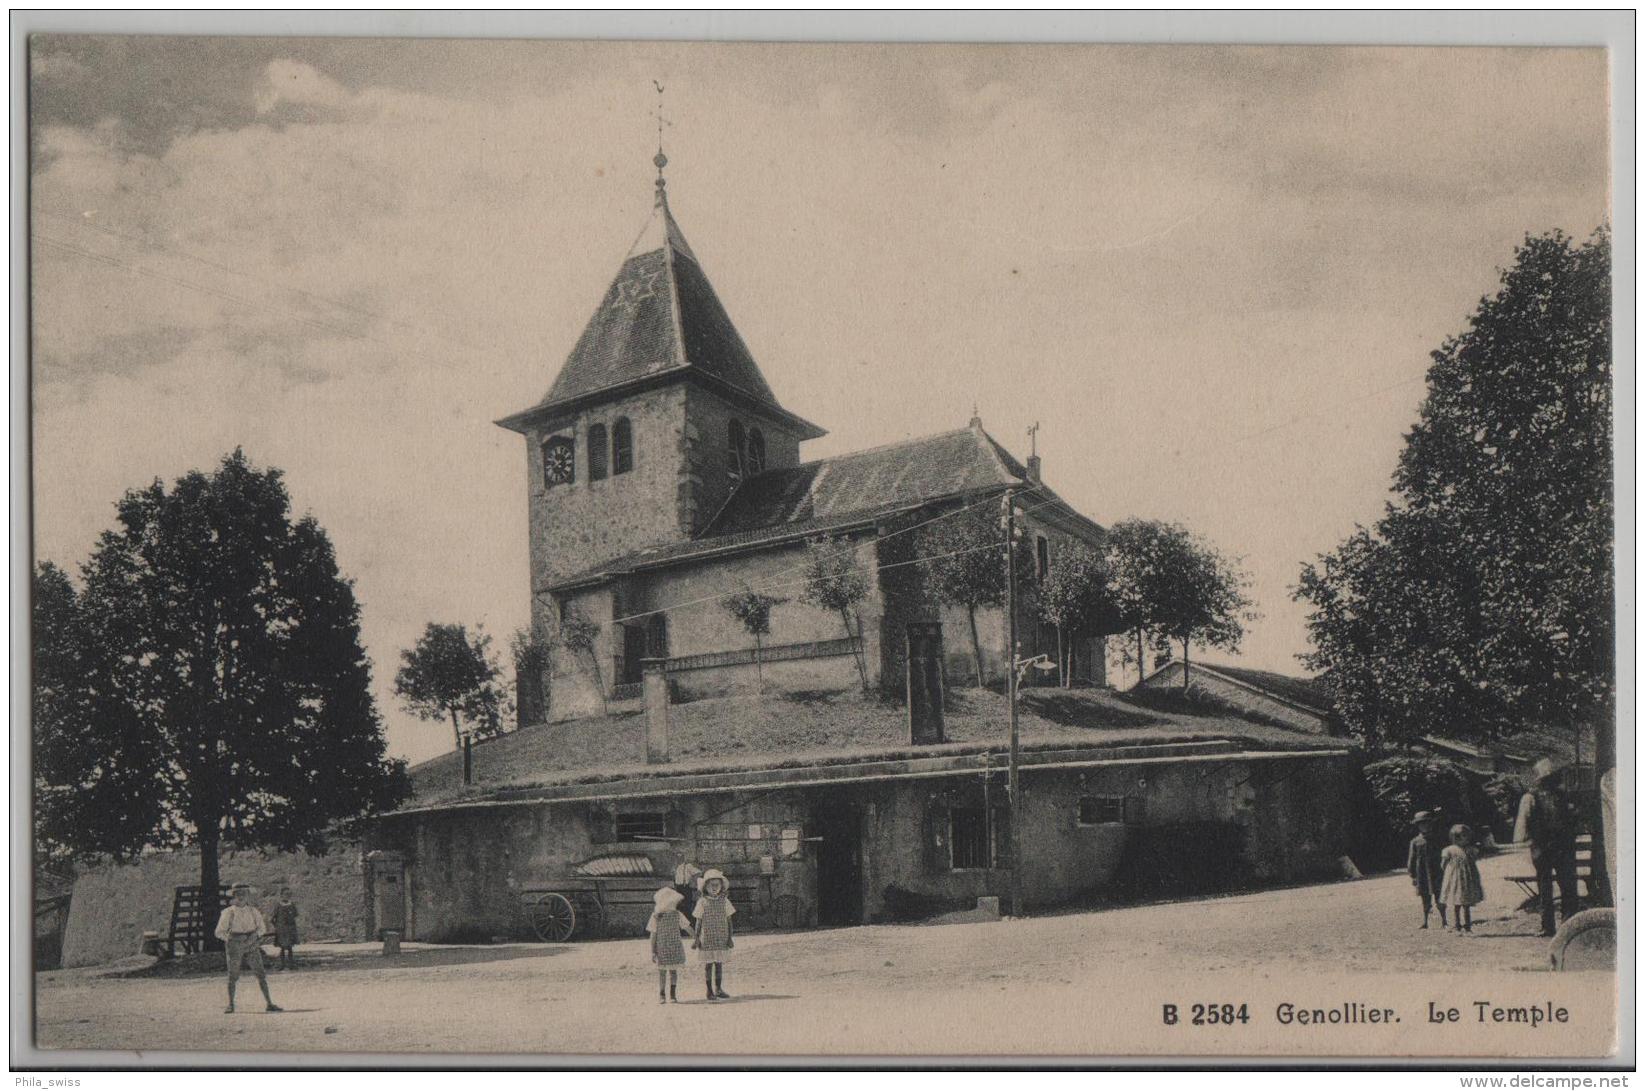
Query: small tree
[(578, 634), (447, 673), (1174, 583), (530, 675), (835, 581), (1075, 597), (754, 611), (964, 565)]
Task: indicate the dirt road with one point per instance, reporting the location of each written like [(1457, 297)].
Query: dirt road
[(1073, 983)]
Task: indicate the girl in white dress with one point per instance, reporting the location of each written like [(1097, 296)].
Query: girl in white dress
[(713, 937), (667, 928)]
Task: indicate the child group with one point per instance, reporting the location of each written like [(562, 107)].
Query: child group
[(1445, 875), (697, 907)]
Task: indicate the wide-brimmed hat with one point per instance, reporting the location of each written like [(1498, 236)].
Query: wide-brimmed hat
[(1542, 770), (1425, 816), (667, 898), (710, 875), (686, 873), (237, 887)]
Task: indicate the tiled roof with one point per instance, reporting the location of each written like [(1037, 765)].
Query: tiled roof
[(899, 474), (833, 494), (659, 315)]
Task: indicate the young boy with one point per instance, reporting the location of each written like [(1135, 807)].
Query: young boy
[(241, 929), (285, 929), (1423, 862)]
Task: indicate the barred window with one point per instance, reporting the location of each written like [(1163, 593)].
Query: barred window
[(1101, 810), (642, 826), (970, 838)]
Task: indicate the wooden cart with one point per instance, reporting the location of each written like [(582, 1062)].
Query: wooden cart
[(581, 905)]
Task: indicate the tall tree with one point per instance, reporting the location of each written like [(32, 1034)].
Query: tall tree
[(835, 581), (1169, 582), (447, 673), (1076, 598), (1486, 590), (753, 610), (230, 699)]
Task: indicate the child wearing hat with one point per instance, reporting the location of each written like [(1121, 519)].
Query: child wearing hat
[(241, 929), (712, 937), (1424, 863), (668, 927), (284, 920), (1461, 888)]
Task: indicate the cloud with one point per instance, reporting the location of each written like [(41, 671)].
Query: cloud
[(350, 257)]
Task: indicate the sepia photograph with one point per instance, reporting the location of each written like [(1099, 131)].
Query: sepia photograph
[(551, 550)]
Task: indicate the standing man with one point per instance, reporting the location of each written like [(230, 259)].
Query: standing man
[(1546, 819), (241, 929)]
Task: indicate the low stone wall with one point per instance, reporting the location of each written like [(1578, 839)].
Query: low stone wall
[(115, 903)]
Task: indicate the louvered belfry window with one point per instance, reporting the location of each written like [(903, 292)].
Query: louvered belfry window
[(622, 446), (734, 449), (756, 451), (596, 452)]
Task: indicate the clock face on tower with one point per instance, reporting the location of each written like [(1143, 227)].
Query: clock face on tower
[(559, 462)]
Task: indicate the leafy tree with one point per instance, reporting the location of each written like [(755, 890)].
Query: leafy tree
[(530, 675), (1483, 601), (229, 699), (447, 673), (754, 611), (1076, 598), (964, 565), (579, 635), (835, 581), (1172, 583)]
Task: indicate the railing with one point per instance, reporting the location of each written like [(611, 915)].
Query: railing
[(813, 649)]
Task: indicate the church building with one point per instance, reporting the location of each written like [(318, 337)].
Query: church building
[(663, 474)]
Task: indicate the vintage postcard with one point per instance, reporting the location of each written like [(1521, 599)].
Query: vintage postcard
[(561, 549)]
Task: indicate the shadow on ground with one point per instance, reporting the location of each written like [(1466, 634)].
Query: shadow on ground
[(354, 957)]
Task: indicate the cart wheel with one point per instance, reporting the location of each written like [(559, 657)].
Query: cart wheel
[(553, 918)]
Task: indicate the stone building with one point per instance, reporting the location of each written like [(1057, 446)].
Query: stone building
[(663, 473)]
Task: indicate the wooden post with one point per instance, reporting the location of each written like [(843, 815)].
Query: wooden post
[(468, 757), (1014, 787), (654, 680)]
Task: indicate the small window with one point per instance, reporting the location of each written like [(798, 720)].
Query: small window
[(596, 453), (1042, 555), (970, 838), (734, 448), (559, 462), (1101, 810), (622, 447), (642, 826), (756, 451), (656, 636)]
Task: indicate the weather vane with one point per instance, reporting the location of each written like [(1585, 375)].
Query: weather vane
[(660, 159)]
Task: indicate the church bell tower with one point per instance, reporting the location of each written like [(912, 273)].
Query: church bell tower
[(658, 413)]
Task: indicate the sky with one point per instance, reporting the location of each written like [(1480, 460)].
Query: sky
[(1212, 275)]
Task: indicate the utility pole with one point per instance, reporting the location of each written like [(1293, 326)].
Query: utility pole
[(1014, 786)]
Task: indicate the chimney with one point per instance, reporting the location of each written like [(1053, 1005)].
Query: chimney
[(654, 675), (1034, 469)]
